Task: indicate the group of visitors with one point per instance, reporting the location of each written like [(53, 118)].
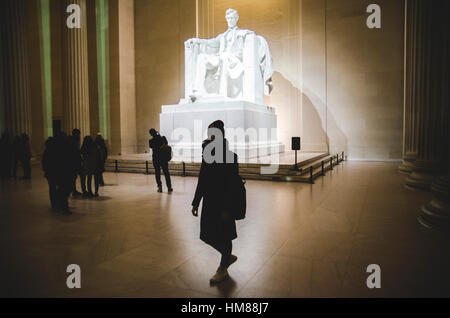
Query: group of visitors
[(14, 151), (65, 159), (93, 154)]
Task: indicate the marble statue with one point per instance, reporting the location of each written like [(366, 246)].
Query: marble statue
[(234, 65), (225, 78)]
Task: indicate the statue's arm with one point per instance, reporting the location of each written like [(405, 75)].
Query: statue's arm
[(213, 44)]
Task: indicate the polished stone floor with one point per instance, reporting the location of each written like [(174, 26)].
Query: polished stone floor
[(298, 240)]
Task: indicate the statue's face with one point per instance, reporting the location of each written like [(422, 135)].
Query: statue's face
[(232, 19)]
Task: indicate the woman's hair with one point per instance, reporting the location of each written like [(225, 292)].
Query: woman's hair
[(218, 124), (153, 132), (87, 141)]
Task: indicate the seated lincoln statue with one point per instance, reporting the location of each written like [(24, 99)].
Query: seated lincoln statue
[(236, 65)]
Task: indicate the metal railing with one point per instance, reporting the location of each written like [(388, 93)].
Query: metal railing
[(310, 178)]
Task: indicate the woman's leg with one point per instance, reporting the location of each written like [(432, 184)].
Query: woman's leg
[(89, 183), (97, 180), (226, 254), (102, 181), (83, 183)]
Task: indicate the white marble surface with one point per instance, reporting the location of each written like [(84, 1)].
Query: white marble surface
[(236, 64), (251, 129)]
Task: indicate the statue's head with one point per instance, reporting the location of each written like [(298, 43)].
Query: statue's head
[(232, 17)]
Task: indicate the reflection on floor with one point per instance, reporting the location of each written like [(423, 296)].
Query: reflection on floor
[(298, 240)]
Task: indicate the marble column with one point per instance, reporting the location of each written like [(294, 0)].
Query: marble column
[(436, 214), (409, 142), (427, 90), (75, 74), (16, 69)]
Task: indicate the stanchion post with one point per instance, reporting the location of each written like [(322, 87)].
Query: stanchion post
[(311, 176), (331, 163), (184, 169), (323, 168), (296, 164), (116, 165)]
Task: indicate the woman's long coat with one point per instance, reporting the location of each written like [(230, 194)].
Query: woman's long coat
[(216, 223)]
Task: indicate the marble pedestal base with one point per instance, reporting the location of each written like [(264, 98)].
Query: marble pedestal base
[(423, 174), (251, 129)]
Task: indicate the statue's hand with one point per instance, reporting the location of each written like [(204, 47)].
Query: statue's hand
[(191, 42)]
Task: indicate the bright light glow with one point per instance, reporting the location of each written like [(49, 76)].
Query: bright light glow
[(46, 68), (101, 13)]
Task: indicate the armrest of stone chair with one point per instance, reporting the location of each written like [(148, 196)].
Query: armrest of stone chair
[(190, 64), (252, 90), (191, 54)]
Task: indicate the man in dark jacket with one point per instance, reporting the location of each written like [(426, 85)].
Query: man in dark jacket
[(60, 165), (159, 162)]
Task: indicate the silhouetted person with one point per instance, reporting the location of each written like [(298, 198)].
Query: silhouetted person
[(22, 154), (6, 155), (61, 166), (75, 142), (217, 224), (26, 158), (159, 162), (50, 162), (104, 154), (93, 161)]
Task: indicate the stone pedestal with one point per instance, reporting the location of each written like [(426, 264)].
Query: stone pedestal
[(251, 129)]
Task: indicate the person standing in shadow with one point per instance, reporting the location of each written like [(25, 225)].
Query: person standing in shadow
[(217, 224), (6, 153), (155, 144), (18, 153), (49, 166), (60, 164), (26, 157), (75, 141), (92, 163), (104, 154)]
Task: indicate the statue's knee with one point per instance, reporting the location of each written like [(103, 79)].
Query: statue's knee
[(202, 58)]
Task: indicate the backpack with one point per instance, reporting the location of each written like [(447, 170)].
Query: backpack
[(239, 197), (165, 151)]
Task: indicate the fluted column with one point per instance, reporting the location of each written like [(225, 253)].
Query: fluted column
[(427, 90), (17, 81), (436, 214), (75, 74), (409, 141)]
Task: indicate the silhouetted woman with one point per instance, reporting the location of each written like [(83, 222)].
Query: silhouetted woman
[(217, 225), (104, 155), (92, 164)]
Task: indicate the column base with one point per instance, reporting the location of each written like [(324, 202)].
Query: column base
[(423, 174), (408, 163), (435, 215)]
